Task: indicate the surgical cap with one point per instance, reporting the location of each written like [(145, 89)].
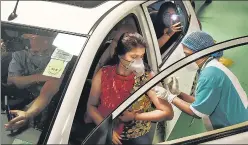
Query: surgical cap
[(200, 40)]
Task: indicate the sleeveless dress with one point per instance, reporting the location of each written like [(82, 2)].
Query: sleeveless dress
[(115, 89)]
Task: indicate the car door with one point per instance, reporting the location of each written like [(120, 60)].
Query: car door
[(172, 69), (175, 50), (98, 51)]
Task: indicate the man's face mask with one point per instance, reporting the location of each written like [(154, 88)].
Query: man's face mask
[(191, 67), (136, 66)]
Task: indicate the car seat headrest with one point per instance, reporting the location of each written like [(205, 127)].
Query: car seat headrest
[(153, 15), (17, 44)]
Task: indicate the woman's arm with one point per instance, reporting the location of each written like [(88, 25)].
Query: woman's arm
[(163, 110), (94, 99), (163, 39)]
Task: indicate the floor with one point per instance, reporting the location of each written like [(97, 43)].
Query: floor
[(223, 20), (228, 20)]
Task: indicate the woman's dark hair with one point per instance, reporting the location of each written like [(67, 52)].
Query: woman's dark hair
[(126, 43), (159, 25)]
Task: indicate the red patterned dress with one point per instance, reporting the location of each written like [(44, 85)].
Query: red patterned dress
[(114, 90)]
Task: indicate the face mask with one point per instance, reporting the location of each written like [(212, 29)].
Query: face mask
[(137, 67), (192, 67), (38, 61)]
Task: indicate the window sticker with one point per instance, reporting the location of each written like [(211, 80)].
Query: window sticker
[(20, 142), (55, 68), (69, 43), (61, 55)]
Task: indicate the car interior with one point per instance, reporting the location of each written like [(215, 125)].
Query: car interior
[(103, 57), (19, 99), (171, 43), (11, 42)]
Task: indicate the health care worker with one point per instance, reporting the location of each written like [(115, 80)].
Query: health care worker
[(219, 98)]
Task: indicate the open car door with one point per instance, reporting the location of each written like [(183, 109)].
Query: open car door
[(102, 134)]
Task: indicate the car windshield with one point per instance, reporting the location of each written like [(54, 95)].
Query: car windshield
[(35, 68)]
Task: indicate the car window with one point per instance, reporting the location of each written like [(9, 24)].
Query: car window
[(104, 57), (185, 126), (162, 20), (35, 67)]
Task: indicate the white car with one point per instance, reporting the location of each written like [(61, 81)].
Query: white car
[(84, 34)]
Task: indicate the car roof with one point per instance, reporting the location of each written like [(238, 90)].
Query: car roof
[(58, 16), (83, 4)]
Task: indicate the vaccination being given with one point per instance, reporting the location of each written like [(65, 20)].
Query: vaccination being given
[(114, 83), (219, 99)]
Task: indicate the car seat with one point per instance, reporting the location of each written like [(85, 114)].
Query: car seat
[(106, 53), (12, 92), (109, 49)]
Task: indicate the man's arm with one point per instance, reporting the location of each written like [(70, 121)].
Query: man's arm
[(184, 106), (186, 97), (25, 81), (22, 81), (208, 94), (47, 92), (16, 72), (49, 89)]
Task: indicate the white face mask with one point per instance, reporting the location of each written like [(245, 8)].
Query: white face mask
[(192, 67), (136, 66)]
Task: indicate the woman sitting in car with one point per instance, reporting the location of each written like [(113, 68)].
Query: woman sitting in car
[(113, 84), (166, 30)]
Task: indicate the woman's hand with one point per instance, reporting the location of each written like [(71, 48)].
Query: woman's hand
[(116, 138), (174, 28), (128, 116), (20, 120)]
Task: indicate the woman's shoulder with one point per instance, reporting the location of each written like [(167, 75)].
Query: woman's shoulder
[(108, 69)]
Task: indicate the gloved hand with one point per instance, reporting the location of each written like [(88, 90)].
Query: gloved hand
[(173, 86), (164, 94)]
